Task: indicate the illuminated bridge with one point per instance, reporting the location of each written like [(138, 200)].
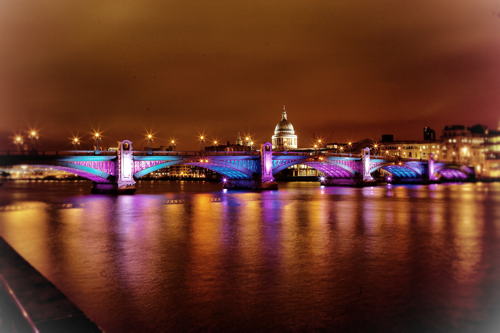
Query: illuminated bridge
[(117, 171)]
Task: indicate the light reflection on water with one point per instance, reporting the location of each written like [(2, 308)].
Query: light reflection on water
[(191, 256)]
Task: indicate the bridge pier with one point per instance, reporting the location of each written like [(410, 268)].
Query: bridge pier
[(431, 169), (123, 182), (364, 178), (261, 182), (366, 167)]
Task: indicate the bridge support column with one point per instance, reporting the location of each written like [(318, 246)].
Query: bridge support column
[(431, 170), (266, 167), (366, 166), (124, 182), (262, 181)]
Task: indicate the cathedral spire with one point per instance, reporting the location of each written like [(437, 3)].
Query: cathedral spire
[(283, 114)]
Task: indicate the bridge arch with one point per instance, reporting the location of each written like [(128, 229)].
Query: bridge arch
[(453, 172), (79, 170), (226, 171), (230, 168), (334, 168), (143, 168), (400, 171), (97, 168)]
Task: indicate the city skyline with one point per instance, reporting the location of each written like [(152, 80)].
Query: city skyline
[(199, 139), (338, 67)]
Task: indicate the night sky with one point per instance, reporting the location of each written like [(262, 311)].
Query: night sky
[(346, 69)]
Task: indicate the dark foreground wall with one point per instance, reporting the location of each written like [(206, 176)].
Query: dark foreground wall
[(29, 302)]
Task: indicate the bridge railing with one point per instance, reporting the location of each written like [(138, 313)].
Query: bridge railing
[(194, 153), (313, 153), (57, 153), (204, 153)]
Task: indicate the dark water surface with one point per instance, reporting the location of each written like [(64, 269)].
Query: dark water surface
[(188, 256)]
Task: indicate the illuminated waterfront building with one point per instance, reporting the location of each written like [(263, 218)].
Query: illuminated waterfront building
[(284, 137), (465, 145), (409, 149), (492, 154), (182, 171), (420, 150), (28, 172)]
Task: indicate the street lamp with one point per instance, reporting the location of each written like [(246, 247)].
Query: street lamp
[(172, 144), (202, 139), (97, 137), (33, 136), (150, 137), (248, 140), (75, 141), (18, 141)]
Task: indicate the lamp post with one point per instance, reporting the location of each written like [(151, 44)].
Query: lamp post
[(319, 142), (150, 138), (75, 141), (18, 142), (202, 139), (33, 136), (97, 137)]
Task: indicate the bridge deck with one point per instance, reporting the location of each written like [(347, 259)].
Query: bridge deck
[(64, 153)]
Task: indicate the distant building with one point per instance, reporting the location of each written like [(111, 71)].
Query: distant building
[(30, 172), (183, 171), (284, 137), (465, 145), (387, 138), (492, 152), (429, 134), (454, 131), (420, 150), (475, 146), (337, 147)]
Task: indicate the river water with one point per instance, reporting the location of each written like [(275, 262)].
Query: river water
[(187, 256)]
